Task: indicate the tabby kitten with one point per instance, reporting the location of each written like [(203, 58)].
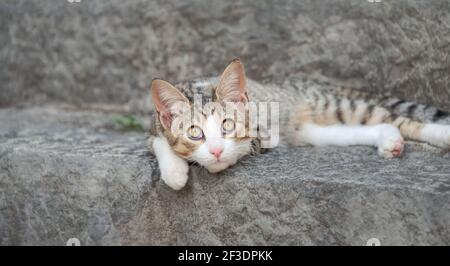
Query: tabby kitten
[(309, 115)]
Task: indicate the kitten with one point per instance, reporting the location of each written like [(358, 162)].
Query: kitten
[(308, 115)]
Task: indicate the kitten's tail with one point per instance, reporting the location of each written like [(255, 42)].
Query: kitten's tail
[(398, 107)]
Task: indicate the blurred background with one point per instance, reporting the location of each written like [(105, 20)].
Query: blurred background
[(107, 52), (68, 168)]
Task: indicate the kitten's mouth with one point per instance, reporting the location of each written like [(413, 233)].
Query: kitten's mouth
[(217, 167), (217, 162)]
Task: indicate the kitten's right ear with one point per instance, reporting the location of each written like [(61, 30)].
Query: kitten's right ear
[(232, 85), (168, 100)]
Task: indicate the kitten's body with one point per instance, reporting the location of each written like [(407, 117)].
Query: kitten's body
[(310, 114)]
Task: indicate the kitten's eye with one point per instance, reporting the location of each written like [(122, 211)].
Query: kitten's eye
[(195, 133), (227, 126)]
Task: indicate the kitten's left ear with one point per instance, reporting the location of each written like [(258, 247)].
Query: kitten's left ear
[(232, 84)]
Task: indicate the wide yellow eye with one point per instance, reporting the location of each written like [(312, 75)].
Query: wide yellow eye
[(195, 133), (228, 125)]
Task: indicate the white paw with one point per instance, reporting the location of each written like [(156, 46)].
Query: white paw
[(391, 147), (175, 176)]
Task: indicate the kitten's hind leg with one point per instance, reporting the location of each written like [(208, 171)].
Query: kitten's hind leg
[(434, 134), (174, 170), (385, 137)]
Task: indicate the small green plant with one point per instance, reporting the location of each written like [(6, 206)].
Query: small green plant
[(129, 122)]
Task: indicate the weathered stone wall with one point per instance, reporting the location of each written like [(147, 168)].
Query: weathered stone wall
[(108, 51), (70, 172)]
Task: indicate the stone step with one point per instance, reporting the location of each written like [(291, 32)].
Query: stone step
[(67, 173)]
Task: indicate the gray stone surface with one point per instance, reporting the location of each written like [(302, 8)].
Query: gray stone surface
[(108, 51), (66, 173), (73, 172)]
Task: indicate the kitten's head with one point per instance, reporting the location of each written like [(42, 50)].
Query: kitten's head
[(215, 133)]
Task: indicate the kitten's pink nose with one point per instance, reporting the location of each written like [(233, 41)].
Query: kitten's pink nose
[(217, 151)]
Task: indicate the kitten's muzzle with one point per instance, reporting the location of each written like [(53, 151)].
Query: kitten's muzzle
[(216, 151)]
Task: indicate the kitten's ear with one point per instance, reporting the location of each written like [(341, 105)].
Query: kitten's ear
[(232, 84), (168, 100)]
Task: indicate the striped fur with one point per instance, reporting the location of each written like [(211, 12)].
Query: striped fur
[(346, 107)]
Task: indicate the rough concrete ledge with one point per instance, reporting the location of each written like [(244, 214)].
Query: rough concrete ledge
[(70, 174)]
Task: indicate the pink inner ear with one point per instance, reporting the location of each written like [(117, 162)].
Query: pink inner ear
[(166, 97), (232, 84), (166, 119), (243, 97), (161, 105)]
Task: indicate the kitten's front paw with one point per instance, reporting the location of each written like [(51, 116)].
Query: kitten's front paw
[(175, 176), (391, 147)]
